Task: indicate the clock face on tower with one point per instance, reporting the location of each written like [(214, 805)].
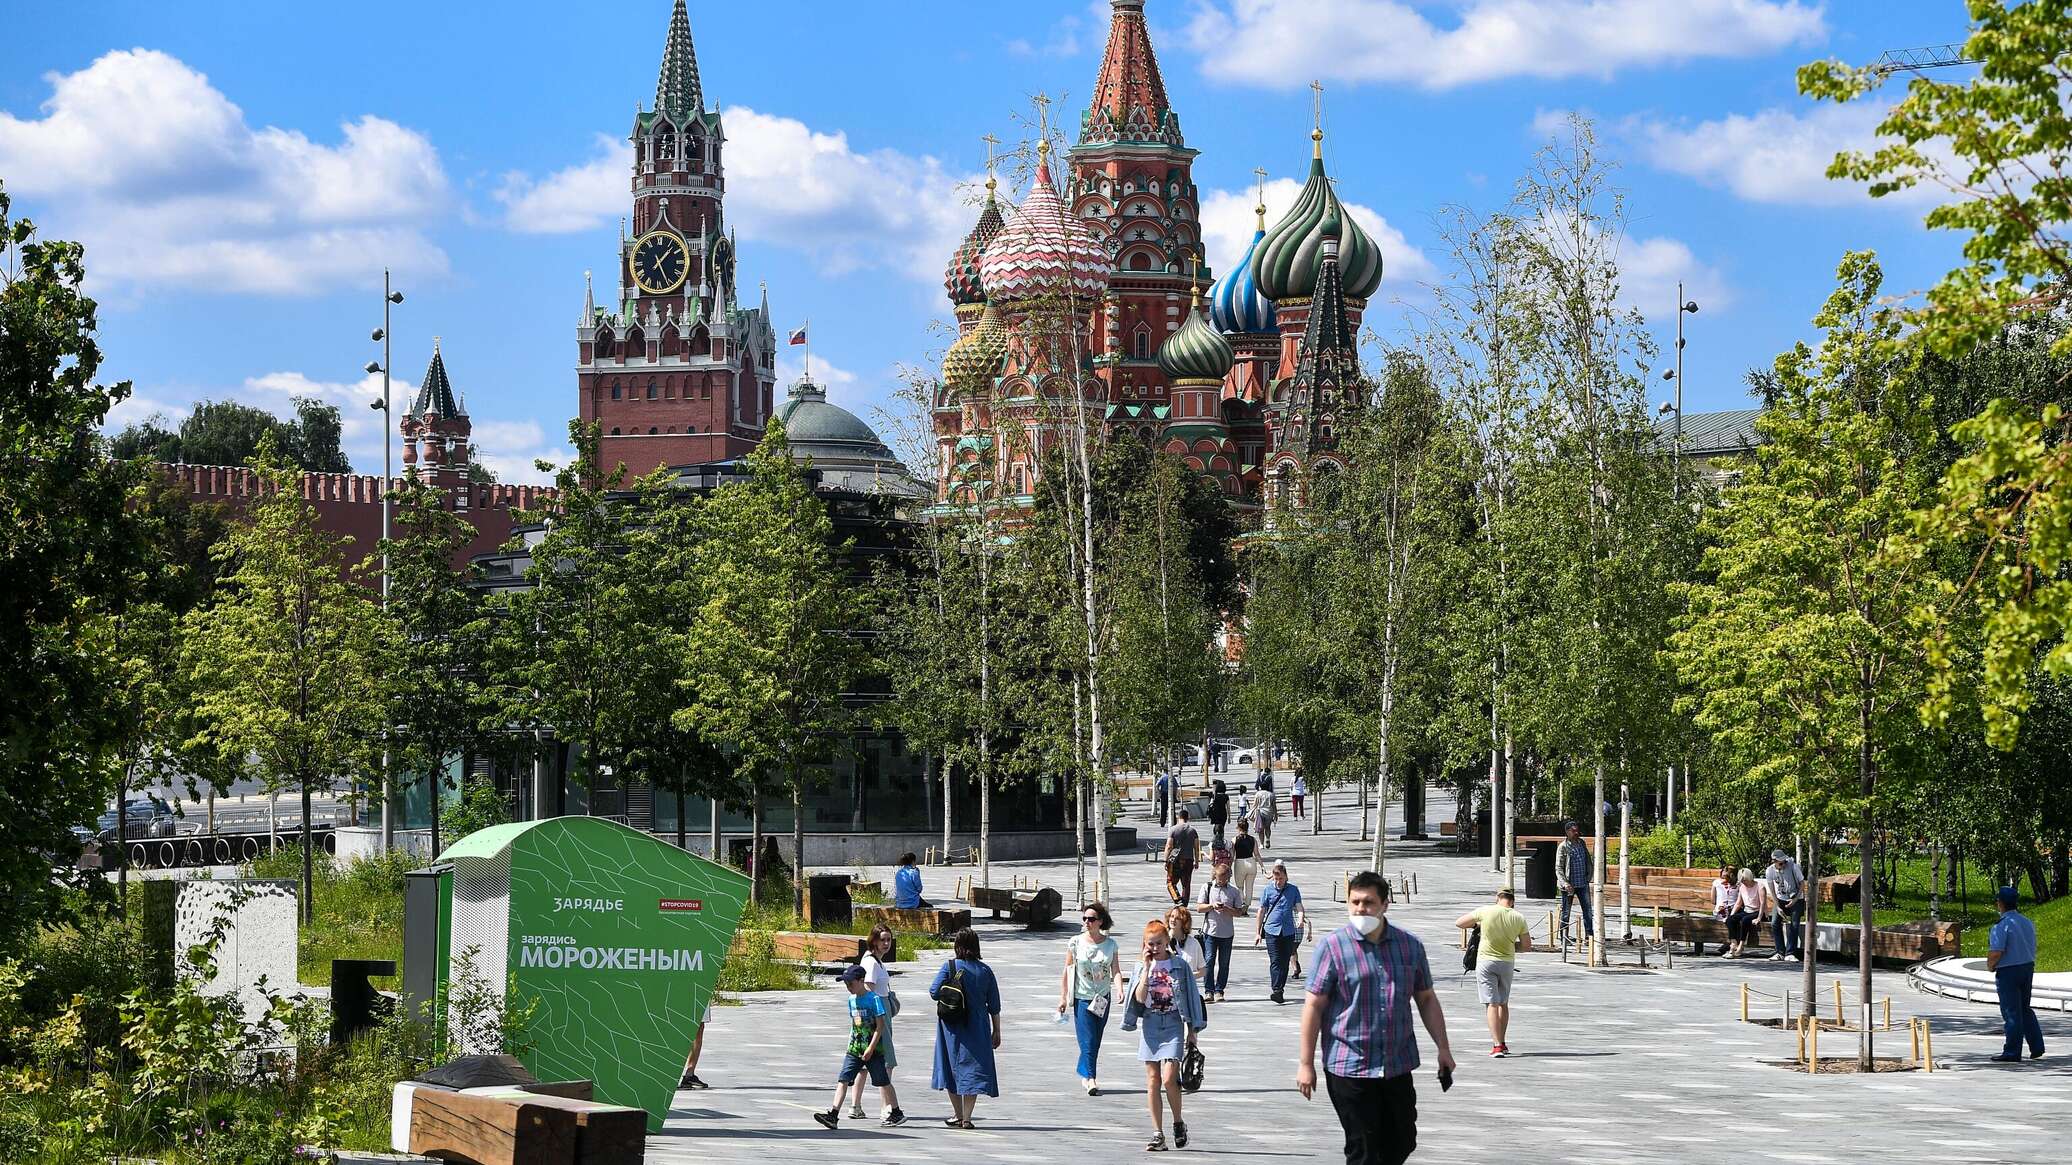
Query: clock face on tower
[(660, 262)]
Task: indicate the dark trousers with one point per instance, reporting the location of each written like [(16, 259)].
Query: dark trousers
[(1581, 896), (1379, 1115), (2016, 1016), (1180, 881), (1743, 925), (1784, 930), (1279, 949), (1216, 966)]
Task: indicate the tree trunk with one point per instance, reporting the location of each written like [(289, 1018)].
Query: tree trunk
[(1364, 806), (712, 839), (309, 884), (755, 848), (1597, 875), (1809, 983), (1510, 833), (1867, 858), (1078, 792), (1381, 805), (1316, 799), (682, 811), (947, 769), (798, 839), (438, 782)]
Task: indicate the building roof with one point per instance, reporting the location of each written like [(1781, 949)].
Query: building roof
[(1196, 350), (1129, 101), (1729, 431), (1285, 263), (1235, 304), (677, 91), (1045, 250), (961, 280), (846, 451), (1327, 366), (436, 394)]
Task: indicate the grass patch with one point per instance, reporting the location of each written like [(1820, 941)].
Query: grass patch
[(359, 911), (1909, 903)]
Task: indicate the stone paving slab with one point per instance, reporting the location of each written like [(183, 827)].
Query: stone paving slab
[(1639, 1067)]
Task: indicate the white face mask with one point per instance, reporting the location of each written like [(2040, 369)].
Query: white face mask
[(1366, 924)]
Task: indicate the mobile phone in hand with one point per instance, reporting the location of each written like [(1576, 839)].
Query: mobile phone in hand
[(1445, 1079)]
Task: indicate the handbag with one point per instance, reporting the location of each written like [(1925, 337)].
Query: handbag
[(891, 1003), (1474, 951), (1193, 1067), (1098, 1006)]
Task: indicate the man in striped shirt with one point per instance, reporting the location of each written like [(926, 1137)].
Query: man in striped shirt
[(1365, 976)]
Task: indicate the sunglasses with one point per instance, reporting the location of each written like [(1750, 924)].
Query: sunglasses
[(1091, 918)]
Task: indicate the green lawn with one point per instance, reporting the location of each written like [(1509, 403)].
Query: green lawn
[(1910, 903)]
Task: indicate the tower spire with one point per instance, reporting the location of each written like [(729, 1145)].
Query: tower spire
[(1316, 106), (1129, 82), (676, 90), (1259, 208)]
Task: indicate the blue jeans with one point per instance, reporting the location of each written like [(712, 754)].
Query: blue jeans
[(1216, 968), (2016, 1016), (1089, 1026), (1581, 894), (1279, 949), (1784, 930)]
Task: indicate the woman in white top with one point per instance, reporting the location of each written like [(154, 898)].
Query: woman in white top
[(1087, 988), (876, 976), (1186, 945)]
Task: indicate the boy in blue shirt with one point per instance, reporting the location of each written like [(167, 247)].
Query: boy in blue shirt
[(866, 1053), (2011, 955)]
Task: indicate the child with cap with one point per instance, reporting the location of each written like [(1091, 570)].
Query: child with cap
[(866, 1052)]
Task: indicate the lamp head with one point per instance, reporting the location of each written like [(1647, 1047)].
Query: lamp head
[(379, 406), (397, 297), (372, 367), (377, 335), (1669, 374), (1691, 306), (1664, 409)]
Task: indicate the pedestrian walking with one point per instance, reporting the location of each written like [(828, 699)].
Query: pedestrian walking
[(2011, 955), (1182, 848), (1219, 813), (1244, 805), (967, 1029), (906, 884), (1787, 888), (1281, 923), (690, 1067), (1295, 795), (878, 977), (1244, 863), (866, 1052), (1572, 870), (1162, 793), (1503, 933), (1746, 916), (1367, 976), (1262, 821), (1220, 906), (1185, 944), (1166, 1011), (1088, 988)]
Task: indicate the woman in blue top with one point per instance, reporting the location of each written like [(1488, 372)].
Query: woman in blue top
[(906, 884), (1167, 1001), (964, 1047)]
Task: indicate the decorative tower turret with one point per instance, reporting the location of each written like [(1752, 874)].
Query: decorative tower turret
[(675, 370), (1195, 359), (436, 430), (1132, 183), (1285, 263), (1327, 384)]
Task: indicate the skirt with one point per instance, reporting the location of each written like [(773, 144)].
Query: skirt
[(1161, 1035)]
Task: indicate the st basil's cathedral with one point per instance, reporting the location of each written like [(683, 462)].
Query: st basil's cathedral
[(1246, 384)]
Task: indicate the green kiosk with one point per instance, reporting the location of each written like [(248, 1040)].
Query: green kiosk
[(614, 937)]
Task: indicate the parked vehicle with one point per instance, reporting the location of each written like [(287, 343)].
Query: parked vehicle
[(145, 819)]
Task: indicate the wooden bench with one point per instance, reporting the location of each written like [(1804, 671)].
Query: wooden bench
[(1907, 942), (920, 920), (1034, 909), (516, 1127), (800, 946)]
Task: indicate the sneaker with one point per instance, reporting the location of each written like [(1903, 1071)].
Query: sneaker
[(1179, 1134), (690, 1080), (1776, 958), (828, 1119), (2007, 1059), (1498, 1051), (1276, 997), (894, 1119), (856, 1114)]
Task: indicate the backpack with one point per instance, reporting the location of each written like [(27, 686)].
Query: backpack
[(950, 1005), (1193, 1067), (1467, 959)]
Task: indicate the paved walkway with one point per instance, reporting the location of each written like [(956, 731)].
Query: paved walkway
[(1607, 1067)]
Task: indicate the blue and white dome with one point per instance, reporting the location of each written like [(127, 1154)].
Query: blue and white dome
[(1235, 304)]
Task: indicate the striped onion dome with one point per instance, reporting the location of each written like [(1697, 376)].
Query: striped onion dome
[(961, 279), (974, 360), (1197, 351), (1045, 250), (1285, 262), (1235, 304)]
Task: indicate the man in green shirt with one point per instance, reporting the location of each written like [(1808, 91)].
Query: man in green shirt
[(1504, 934)]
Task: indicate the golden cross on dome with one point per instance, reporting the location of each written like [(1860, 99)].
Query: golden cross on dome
[(992, 143), (1042, 123), (1260, 209), (1316, 106), (1194, 259)]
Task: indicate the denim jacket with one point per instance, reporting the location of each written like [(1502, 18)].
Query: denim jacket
[(1186, 1000)]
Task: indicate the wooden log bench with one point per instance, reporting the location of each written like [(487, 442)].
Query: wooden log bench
[(1034, 909), (919, 920), (800, 946), (518, 1127)]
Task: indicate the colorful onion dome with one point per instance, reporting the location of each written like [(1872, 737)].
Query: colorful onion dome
[(1285, 262), (1235, 304), (974, 360), (1045, 250), (1197, 351), (961, 279)]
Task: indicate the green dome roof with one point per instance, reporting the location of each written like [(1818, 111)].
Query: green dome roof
[(810, 421), (1285, 262), (1197, 351)]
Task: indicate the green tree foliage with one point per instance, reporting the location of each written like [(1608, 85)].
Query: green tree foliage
[(69, 560), (284, 664), (229, 433), (1997, 143), (1801, 646), (769, 655)]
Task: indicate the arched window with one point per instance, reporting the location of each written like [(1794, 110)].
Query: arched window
[(651, 388), (651, 430), (615, 390), (615, 430), (1141, 261), (1143, 343)]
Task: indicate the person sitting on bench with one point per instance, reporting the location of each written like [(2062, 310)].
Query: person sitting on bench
[(906, 884)]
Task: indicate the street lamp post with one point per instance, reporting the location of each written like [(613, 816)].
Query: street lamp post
[(389, 298), (1676, 374)]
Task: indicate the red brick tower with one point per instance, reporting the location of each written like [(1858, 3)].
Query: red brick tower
[(435, 431), (675, 371)]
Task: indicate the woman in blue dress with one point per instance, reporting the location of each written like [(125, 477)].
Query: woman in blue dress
[(1166, 1002), (964, 1046)]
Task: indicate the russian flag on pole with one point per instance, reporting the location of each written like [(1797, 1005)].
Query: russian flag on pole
[(799, 336)]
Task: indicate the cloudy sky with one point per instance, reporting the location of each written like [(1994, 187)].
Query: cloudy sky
[(242, 174)]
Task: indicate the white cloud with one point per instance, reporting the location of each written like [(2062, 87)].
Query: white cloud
[(1228, 223), (139, 157), (1069, 35), (1284, 43), (1650, 268), (841, 384), (509, 449), (1778, 156), (787, 185)]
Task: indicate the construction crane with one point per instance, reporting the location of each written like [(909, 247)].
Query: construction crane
[(1916, 60)]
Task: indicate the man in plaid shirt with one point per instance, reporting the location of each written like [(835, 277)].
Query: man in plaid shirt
[(1365, 976)]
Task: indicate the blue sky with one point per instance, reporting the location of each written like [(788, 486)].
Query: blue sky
[(241, 173)]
